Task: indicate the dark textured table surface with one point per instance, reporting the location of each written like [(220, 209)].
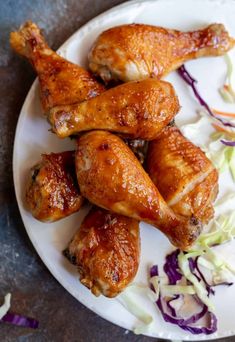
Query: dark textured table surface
[(35, 292)]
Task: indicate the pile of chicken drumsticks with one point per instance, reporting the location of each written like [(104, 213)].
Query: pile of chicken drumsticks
[(173, 189)]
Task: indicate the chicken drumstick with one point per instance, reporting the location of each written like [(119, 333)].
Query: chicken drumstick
[(106, 250), (52, 192), (110, 176), (137, 51), (61, 82), (185, 177), (134, 109)]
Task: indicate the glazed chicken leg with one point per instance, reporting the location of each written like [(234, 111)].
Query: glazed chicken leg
[(52, 192), (135, 109), (61, 82), (137, 51), (110, 176), (106, 249), (185, 177)]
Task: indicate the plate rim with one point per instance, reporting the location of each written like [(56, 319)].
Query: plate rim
[(36, 246)]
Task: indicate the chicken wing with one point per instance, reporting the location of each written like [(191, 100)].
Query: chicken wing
[(137, 51), (137, 109), (61, 82), (106, 249), (185, 177), (52, 191), (110, 176)]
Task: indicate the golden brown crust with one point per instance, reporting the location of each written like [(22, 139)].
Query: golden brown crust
[(135, 109), (106, 249), (110, 176), (199, 201), (52, 191), (137, 51), (61, 82), (183, 174)]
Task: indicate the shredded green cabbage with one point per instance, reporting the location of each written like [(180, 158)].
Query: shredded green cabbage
[(130, 302), (218, 261), (205, 263), (218, 275), (168, 290), (222, 276), (190, 131), (140, 288), (232, 162), (226, 95), (155, 281), (6, 305), (216, 152), (222, 156), (226, 91), (224, 232), (199, 288)]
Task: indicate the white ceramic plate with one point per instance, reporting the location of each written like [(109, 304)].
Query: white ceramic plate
[(33, 138)]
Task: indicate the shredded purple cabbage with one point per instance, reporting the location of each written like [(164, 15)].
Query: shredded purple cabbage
[(171, 267), (23, 321), (192, 83), (154, 271), (170, 307), (228, 143), (226, 283), (209, 288), (192, 267), (185, 324)]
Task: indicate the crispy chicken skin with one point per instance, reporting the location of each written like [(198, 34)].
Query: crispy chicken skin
[(185, 177), (137, 109), (61, 82), (52, 191), (110, 176), (106, 249), (137, 51)]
